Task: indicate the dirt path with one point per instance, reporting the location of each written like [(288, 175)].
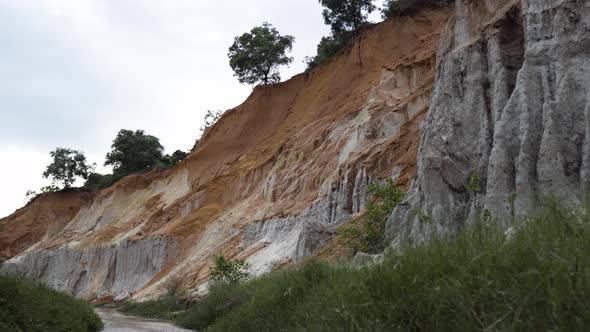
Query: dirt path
[(114, 321)]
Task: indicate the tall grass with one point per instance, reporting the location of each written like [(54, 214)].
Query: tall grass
[(29, 306), (538, 278)]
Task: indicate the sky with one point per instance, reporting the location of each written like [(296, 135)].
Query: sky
[(75, 72)]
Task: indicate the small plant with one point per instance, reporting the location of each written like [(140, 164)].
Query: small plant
[(474, 185), (423, 217), (229, 271), (368, 234), (487, 216)]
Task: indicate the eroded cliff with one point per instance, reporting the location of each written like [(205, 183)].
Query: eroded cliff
[(510, 109), (269, 182)]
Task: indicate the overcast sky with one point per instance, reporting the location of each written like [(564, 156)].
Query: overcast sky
[(74, 72)]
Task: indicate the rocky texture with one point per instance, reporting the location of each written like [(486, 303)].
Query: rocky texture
[(268, 183), (511, 103), (115, 271), (44, 216)]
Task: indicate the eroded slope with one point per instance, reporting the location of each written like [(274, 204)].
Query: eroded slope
[(268, 183)]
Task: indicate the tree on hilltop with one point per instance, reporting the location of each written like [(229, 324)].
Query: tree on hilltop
[(346, 16), (256, 56), (66, 167), (134, 152)]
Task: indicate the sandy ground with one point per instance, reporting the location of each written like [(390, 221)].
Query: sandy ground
[(114, 321)]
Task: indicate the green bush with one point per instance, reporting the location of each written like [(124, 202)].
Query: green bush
[(28, 306), (393, 8), (229, 271), (368, 234), (534, 278), (221, 300), (162, 308), (326, 49), (100, 181)]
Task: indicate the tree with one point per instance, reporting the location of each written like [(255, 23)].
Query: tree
[(326, 49), (134, 152), (175, 158), (346, 15), (229, 271), (66, 167), (257, 55)]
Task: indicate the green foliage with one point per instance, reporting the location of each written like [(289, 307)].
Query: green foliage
[(31, 195), (393, 8), (257, 55), (229, 271), (423, 217), (66, 167), (28, 306), (134, 152), (346, 15), (99, 181), (474, 185), (368, 234), (327, 48), (162, 308), (175, 158), (221, 300), (536, 279)]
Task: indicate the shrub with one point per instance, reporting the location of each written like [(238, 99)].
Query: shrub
[(538, 278), (368, 233), (99, 181), (474, 185), (393, 8), (480, 280), (229, 271), (162, 308), (29, 306), (327, 48), (221, 300)]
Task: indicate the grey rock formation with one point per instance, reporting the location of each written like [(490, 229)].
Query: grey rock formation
[(511, 103), (117, 270)]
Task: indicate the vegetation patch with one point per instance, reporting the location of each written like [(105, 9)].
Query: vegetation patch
[(29, 306), (535, 277), (393, 8)]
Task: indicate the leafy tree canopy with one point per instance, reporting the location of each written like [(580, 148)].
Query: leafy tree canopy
[(134, 152), (393, 8), (66, 167), (257, 55), (175, 158), (346, 15)]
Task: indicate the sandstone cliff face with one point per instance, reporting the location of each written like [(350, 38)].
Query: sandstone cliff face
[(44, 216), (268, 183), (511, 103)]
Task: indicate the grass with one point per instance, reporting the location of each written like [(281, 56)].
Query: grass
[(29, 306), (537, 278)]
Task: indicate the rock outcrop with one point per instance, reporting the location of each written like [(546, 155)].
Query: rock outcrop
[(510, 110), (269, 183)]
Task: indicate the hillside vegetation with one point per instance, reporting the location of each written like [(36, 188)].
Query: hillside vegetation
[(28, 306), (534, 277)]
